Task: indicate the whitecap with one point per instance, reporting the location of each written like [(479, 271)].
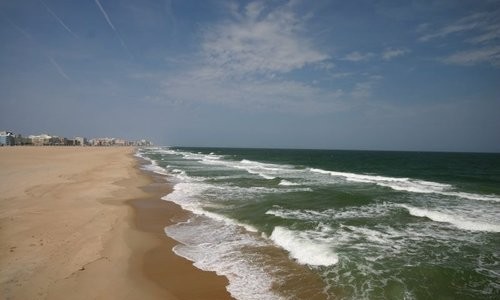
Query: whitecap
[(219, 249), (458, 221), (287, 183), (407, 185), (304, 249)]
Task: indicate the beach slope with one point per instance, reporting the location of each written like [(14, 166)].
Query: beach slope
[(70, 227)]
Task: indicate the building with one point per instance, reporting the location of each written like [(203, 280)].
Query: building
[(40, 140), (57, 141), (121, 142), (7, 138), (70, 142), (19, 140), (102, 142), (80, 141), (143, 143)]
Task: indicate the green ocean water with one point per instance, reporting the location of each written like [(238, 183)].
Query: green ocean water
[(321, 224)]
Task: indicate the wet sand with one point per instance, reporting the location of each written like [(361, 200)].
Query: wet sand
[(86, 223)]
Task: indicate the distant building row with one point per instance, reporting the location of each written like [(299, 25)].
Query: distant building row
[(113, 142), (8, 138)]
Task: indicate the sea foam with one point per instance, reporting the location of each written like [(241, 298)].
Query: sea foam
[(287, 183), (304, 249), (152, 166), (457, 221), (214, 246), (354, 212), (407, 185)]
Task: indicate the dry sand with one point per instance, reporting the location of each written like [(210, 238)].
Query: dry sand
[(86, 223)]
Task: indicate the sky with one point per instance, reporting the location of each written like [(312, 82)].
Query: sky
[(370, 75)]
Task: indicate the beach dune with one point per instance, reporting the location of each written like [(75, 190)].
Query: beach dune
[(86, 223)]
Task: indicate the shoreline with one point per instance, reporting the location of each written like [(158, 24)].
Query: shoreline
[(180, 277), (87, 223)]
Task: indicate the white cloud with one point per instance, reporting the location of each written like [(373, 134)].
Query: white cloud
[(341, 75), (484, 25), (254, 9), (327, 65), (391, 53), (447, 30), (491, 33), (476, 56), (358, 56), (244, 63), (481, 30), (260, 40)]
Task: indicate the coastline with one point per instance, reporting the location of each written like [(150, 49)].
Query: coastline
[(178, 275), (87, 222)]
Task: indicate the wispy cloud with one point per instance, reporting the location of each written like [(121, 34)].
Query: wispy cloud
[(461, 25), (51, 12), (358, 56), (244, 62), (479, 34), (364, 89), (472, 57), (260, 39), (105, 14), (387, 54), (58, 68), (391, 53), (341, 75), (490, 32), (484, 26)]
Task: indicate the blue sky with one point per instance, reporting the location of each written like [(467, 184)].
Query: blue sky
[(382, 75)]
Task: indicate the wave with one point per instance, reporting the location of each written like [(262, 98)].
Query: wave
[(186, 194), (354, 212), (471, 196), (357, 235), (287, 183), (304, 249), (307, 215), (453, 219), (153, 165), (407, 185), (220, 251), (271, 171), (264, 170), (267, 171)]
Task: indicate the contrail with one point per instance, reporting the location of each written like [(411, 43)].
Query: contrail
[(31, 39), (26, 35), (113, 27), (105, 15), (59, 69), (58, 19)]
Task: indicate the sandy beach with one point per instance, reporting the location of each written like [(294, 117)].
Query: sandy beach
[(86, 223)]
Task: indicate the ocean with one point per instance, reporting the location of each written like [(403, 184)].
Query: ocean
[(328, 224)]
